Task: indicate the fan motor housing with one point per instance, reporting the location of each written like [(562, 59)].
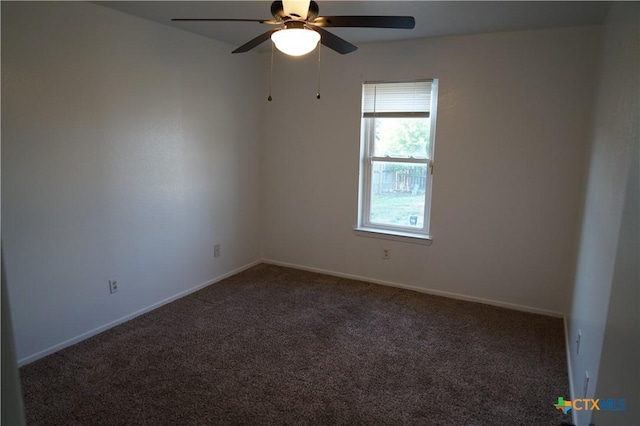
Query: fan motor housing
[(277, 10)]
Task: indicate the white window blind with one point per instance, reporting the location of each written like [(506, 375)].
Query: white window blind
[(393, 99)]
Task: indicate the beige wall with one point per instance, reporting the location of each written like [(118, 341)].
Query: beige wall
[(126, 154), (605, 301), (514, 115)]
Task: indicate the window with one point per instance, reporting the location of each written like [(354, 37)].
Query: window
[(396, 169)]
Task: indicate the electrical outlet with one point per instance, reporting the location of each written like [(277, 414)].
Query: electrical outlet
[(386, 253), (578, 341), (113, 286), (216, 250), (586, 383)]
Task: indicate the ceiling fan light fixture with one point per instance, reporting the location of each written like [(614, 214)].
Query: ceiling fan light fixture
[(295, 41)]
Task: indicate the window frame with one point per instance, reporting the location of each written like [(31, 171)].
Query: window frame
[(365, 227)]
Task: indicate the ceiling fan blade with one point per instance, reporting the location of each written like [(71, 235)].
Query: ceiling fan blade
[(296, 9), (261, 21), (256, 41), (334, 42), (402, 22)]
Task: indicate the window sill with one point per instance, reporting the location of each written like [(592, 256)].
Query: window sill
[(404, 237)]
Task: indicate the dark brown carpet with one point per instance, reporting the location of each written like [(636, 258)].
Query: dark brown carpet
[(275, 345)]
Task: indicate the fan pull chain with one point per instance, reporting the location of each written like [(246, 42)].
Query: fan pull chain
[(318, 93), (271, 74)]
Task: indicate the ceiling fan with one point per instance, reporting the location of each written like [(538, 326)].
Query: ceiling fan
[(300, 28)]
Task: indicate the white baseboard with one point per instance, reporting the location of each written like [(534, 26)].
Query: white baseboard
[(88, 334), (98, 330), (450, 295), (567, 347)]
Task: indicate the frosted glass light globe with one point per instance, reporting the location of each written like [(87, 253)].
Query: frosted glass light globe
[(295, 41)]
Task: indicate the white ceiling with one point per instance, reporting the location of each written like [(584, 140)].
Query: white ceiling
[(433, 18)]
